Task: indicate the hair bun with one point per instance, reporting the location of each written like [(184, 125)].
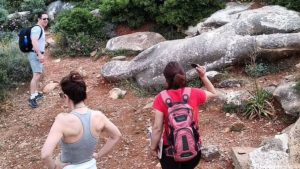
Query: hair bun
[(75, 76)]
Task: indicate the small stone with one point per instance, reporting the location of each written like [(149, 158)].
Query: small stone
[(119, 58), (237, 126)]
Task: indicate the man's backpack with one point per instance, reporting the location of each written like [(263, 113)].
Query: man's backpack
[(183, 135), (25, 43)]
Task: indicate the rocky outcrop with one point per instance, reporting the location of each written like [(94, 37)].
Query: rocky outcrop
[(138, 41), (269, 30), (288, 98), (55, 7), (294, 145)]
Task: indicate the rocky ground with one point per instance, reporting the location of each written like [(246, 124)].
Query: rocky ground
[(23, 130)]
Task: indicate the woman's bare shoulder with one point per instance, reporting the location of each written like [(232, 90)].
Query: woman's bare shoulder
[(65, 118), (98, 113)]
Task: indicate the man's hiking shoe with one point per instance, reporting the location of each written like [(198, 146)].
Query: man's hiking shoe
[(39, 96), (32, 103)]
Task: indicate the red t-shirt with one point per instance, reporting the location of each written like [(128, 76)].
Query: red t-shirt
[(197, 97)]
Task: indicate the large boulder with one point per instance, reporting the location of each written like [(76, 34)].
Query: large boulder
[(138, 41), (271, 155), (264, 32), (288, 98), (56, 7), (294, 145)]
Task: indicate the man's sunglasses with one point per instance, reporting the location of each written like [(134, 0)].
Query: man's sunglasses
[(45, 19)]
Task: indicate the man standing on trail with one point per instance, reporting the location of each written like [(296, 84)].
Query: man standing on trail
[(36, 57)]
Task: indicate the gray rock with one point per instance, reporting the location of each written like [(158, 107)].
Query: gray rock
[(117, 93), (96, 13), (237, 126), (259, 159), (18, 14), (228, 83), (273, 144), (294, 144), (263, 31), (210, 152), (241, 157), (119, 58), (56, 7), (138, 41), (288, 98), (235, 97)]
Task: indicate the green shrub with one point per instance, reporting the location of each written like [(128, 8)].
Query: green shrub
[(195, 83), (176, 13), (78, 32), (259, 105), (34, 6), (81, 44), (78, 20), (14, 68), (6, 37), (3, 15), (297, 87), (89, 4), (182, 13), (169, 32), (261, 69), (12, 5), (17, 23), (129, 12), (291, 4)]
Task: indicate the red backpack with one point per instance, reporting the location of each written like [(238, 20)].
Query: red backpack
[(183, 135)]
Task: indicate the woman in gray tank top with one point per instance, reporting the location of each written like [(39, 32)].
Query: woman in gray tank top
[(77, 132)]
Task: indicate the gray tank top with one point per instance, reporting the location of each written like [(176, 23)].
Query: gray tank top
[(82, 150)]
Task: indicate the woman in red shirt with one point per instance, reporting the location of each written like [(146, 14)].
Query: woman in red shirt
[(176, 83)]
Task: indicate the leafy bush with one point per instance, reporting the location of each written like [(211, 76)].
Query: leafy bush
[(14, 68), (34, 6), (291, 4), (78, 32), (259, 105), (297, 87), (78, 20), (182, 13), (81, 44), (130, 12), (6, 37), (177, 13), (195, 83), (12, 5), (169, 32), (17, 23), (89, 4), (3, 15), (261, 69)]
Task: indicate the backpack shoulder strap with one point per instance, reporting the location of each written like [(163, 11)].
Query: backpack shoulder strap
[(166, 98), (186, 94), (41, 31)]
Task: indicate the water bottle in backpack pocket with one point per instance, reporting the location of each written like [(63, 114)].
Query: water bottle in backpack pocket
[(183, 136)]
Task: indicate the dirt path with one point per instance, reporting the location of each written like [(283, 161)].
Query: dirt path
[(23, 130)]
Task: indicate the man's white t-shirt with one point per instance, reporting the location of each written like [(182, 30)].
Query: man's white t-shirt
[(35, 33)]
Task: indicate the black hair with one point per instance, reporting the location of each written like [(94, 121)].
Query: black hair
[(74, 87)]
